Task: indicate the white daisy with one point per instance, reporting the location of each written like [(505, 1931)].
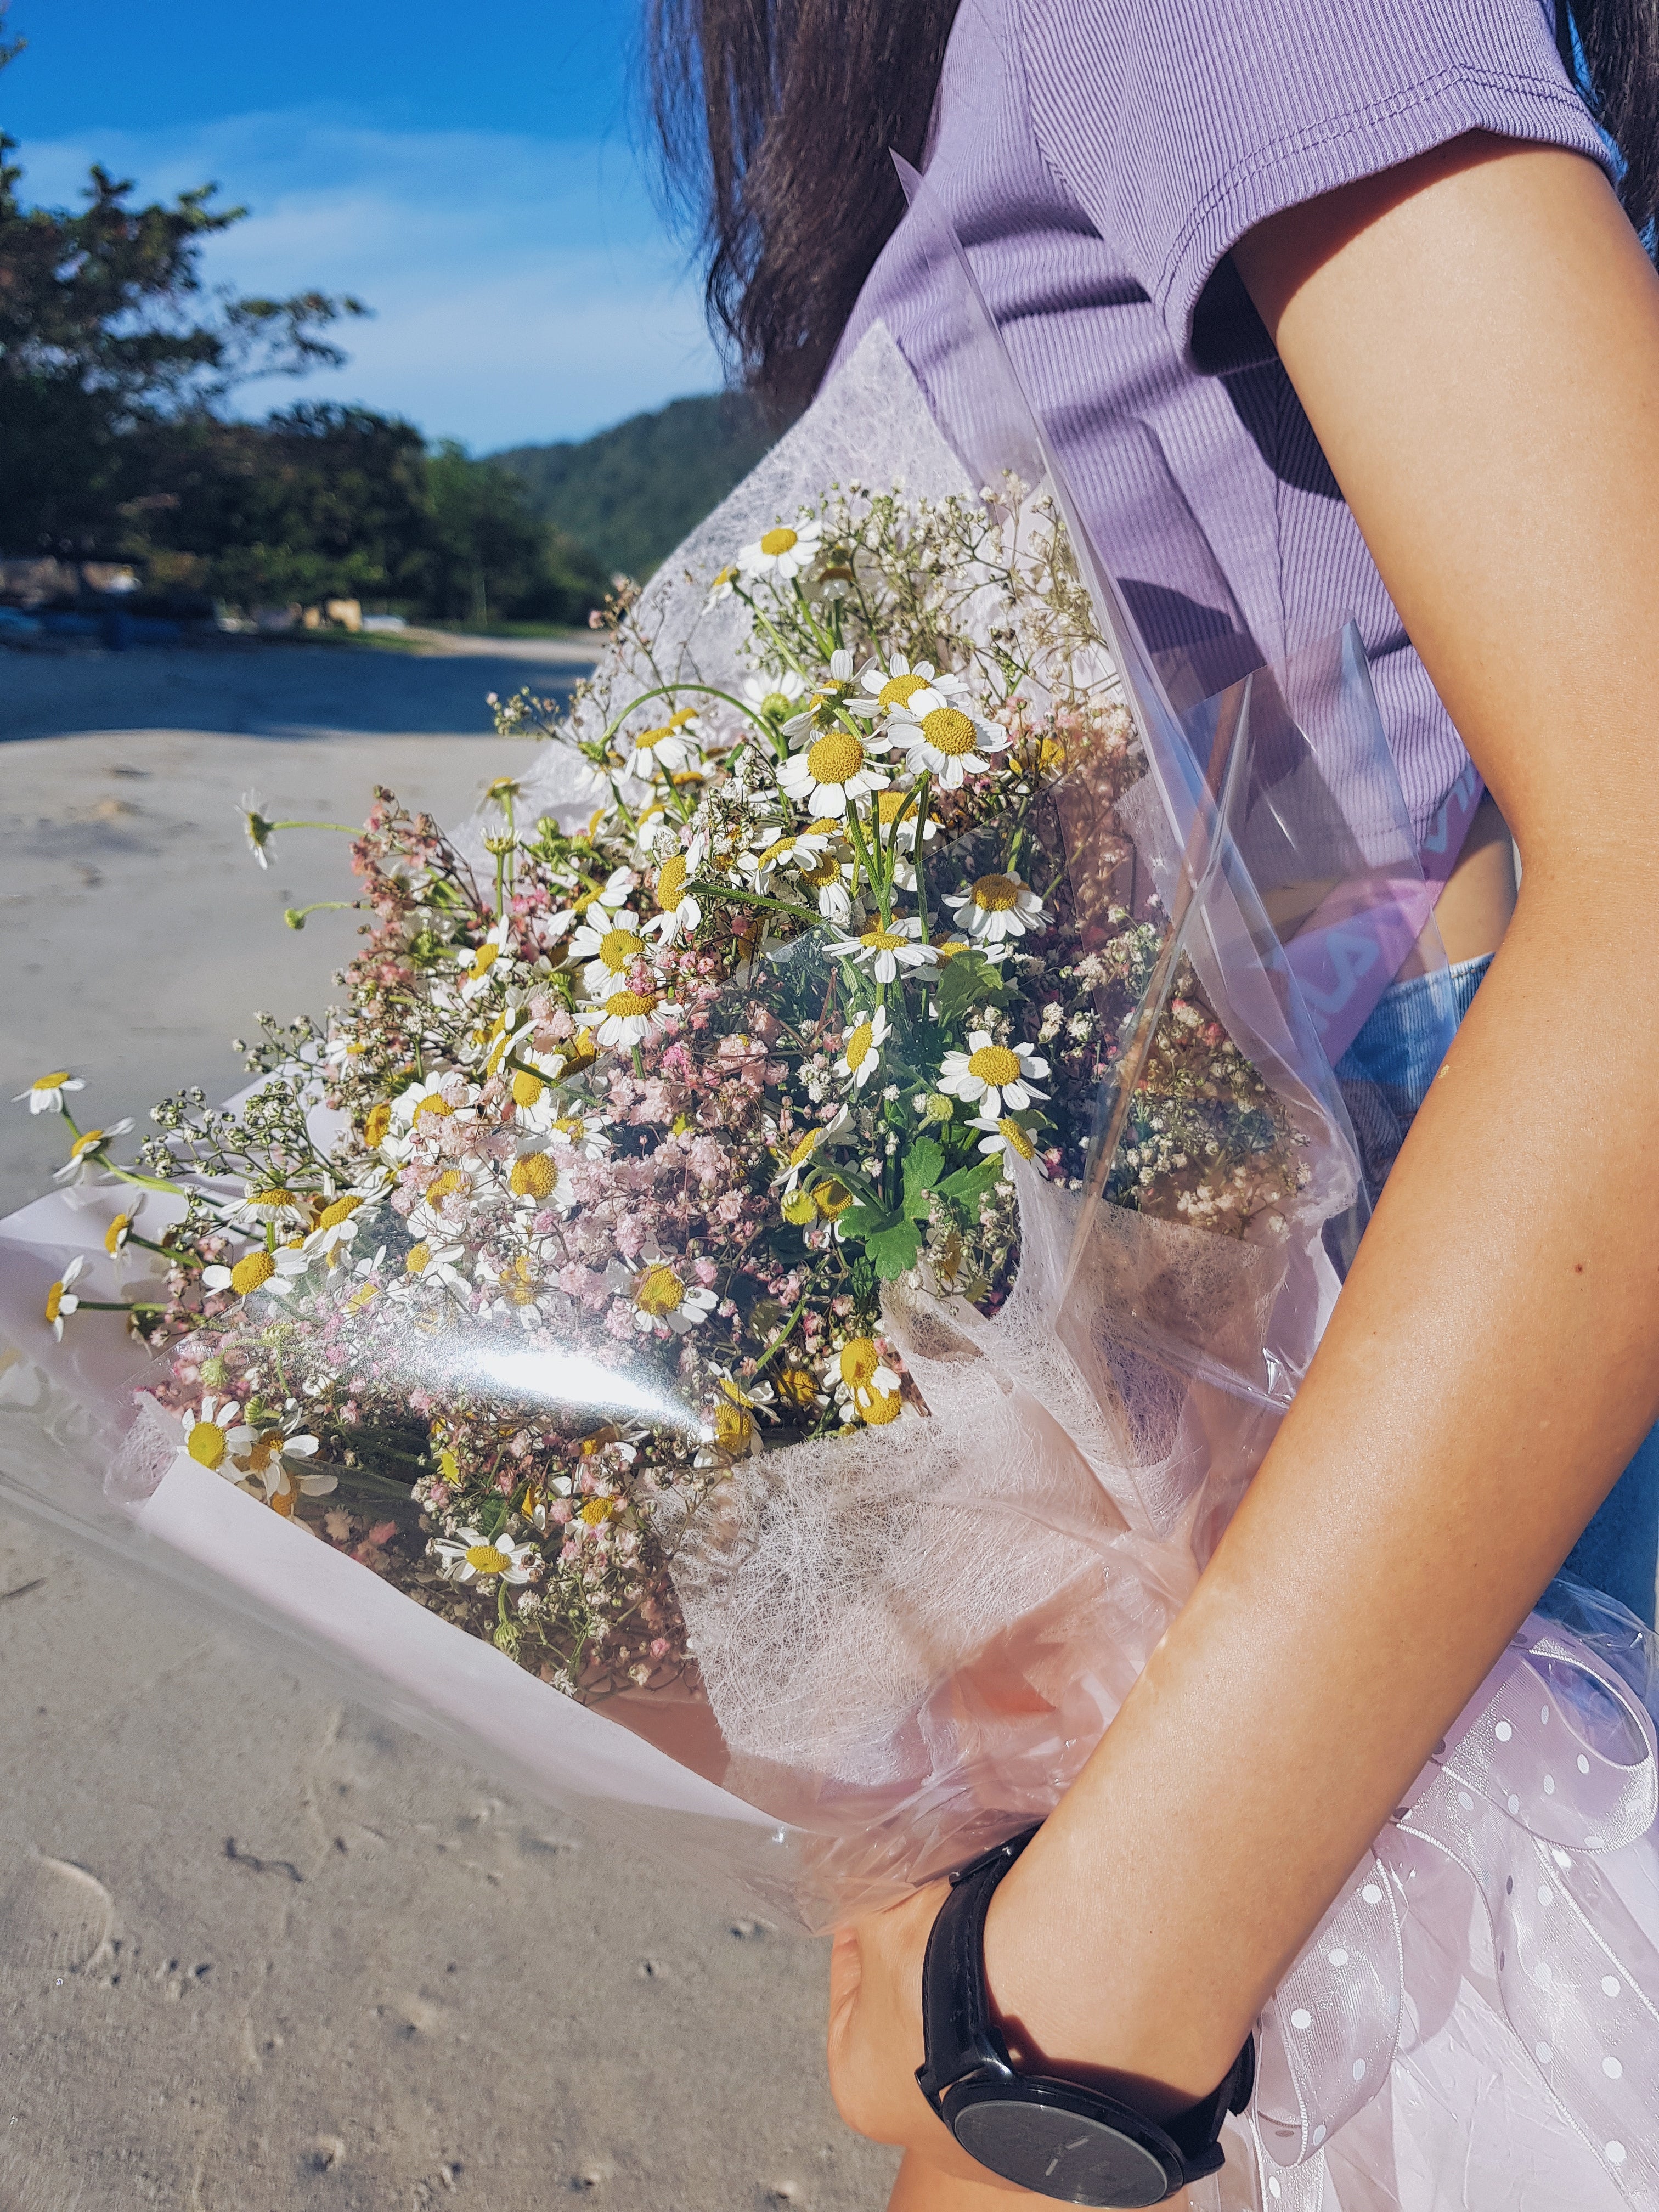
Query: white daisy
[(723, 585), (267, 1202), (255, 827), (791, 851), (673, 746), (886, 949), (866, 1389), (470, 1556), (803, 1149), (679, 908), (83, 1159), (252, 1272), (833, 770), (823, 706), (861, 1047), (280, 1462), (624, 1019), (1007, 1136), (45, 1093), (993, 1076), (612, 894), (888, 687), (293, 1266), (61, 1300), (516, 1292), (537, 1178), (995, 906), (611, 953), (947, 740), (583, 1132), (478, 962), (662, 1295), (897, 813), (427, 1264), (211, 1428), (775, 697), (783, 553)]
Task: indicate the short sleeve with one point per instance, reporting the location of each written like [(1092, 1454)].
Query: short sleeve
[(1178, 125)]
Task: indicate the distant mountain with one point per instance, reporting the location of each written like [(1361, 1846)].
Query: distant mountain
[(631, 493)]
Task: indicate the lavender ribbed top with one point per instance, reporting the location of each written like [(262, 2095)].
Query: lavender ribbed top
[(1099, 159)]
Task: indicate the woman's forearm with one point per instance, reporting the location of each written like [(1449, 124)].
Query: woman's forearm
[(1478, 346)]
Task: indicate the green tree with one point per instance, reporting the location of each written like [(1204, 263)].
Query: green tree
[(106, 327)]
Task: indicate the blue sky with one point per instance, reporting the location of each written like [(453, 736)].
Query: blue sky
[(475, 175)]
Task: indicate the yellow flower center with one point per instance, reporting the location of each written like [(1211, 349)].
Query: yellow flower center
[(417, 1259), (578, 1050), (54, 1300), (485, 1559), (775, 705), (376, 1123), (670, 881), (859, 1046), (681, 716), (624, 1006), (448, 1466), (777, 852), (262, 1453), (778, 541), (248, 1273), (518, 1285), (362, 1295), (899, 690), (996, 894), (533, 1177), (342, 1210), (619, 949), (435, 1104), (610, 1434), (445, 1185), (821, 873), (206, 1443), (116, 1234), (949, 732), (805, 1146), (884, 1406), (835, 759), (483, 961), (88, 1143), (726, 576), (893, 806), (658, 1291), (526, 1088), (881, 940), (1019, 1140), (733, 1428), (1051, 757), (994, 1064), (273, 1201), (797, 1388), (859, 1362), (832, 1199), (50, 1082), (950, 946), (598, 1510), (799, 1208)]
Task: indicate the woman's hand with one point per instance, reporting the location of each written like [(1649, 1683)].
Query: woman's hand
[(875, 2030)]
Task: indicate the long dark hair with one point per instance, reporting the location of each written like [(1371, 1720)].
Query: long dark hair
[(777, 119)]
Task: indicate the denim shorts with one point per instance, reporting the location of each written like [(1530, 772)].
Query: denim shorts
[(1385, 1076)]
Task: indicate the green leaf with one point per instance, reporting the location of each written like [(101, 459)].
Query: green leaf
[(864, 1221), (895, 1250), (923, 1164), (968, 1186), (969, 980)]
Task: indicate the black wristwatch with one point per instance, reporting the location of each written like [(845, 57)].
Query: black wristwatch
[(1054, 2138)]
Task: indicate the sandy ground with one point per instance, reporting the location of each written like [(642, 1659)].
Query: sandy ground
[(258, 1950)]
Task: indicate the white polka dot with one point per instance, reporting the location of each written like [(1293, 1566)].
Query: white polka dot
[(1514, 1803), (1583, 1764), (1301, 2017), (1549, 1786), (1465, 1800), (1542, 1974), (1359, 2069), (1273, 2189), (1612, 2070), (1611, 1985), (1563, 1859), (1544, 1716), (1371, 1893), (1615, 2154), (1545, 1894), (1595, 1843), (1544, 2054), (1504, 1731), (1319, 2135), (1337, 1958)]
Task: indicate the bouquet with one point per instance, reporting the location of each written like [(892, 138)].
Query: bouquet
[(753, 1311)]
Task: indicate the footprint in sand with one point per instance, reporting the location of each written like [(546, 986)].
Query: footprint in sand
[(54, 1918)]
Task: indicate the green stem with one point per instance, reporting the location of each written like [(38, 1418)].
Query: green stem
[(785, 1333), (922, 789), (295, 916), (755, 898), (884, 892), (346, 829)]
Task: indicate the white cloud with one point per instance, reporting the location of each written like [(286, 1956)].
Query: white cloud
[(524, 289)]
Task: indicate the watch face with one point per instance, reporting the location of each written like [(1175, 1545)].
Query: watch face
[(1065, 2155)]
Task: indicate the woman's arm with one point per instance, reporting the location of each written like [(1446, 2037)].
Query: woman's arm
[(1475, 338)]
